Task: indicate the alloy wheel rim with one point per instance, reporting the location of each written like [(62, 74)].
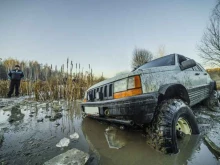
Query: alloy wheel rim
[(183, 126)]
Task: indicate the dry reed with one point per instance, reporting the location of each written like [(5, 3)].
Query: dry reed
[(46, 83)]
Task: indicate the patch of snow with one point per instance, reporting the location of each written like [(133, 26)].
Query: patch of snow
[(73, 156), (74, 136), (63, 142)]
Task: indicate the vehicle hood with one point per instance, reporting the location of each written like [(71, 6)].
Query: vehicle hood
[(137, 72)]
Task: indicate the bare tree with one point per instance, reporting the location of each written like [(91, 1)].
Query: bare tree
[(161, 51), (141, 56), (210, 43)]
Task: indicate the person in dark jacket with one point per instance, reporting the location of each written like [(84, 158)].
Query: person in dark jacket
[(15, 76)]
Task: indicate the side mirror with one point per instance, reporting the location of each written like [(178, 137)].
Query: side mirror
[(187, 64)]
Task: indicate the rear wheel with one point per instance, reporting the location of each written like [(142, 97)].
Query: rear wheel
[(173, 120), (213, 101)]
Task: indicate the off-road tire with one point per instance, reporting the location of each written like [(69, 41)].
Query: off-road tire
[(163, 129)]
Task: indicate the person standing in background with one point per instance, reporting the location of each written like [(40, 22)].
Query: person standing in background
[(15, 76)]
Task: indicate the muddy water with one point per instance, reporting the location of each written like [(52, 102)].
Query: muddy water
[(134, 149), (27, 141)]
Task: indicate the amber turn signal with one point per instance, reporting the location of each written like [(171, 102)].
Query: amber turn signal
[(128, 93), (84, 100), (137, 81)]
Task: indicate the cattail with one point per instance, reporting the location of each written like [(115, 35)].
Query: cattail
[(71, 69), (67, 66), (67, 62), (56, 83)]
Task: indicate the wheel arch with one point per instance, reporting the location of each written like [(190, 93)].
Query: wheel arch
[(170, 91)]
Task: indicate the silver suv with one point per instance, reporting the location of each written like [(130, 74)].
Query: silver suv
[(156, 96)]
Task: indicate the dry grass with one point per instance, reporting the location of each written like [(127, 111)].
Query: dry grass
[(52, 89), (218, 85), (215, 75), (45, 83), (4, 85)]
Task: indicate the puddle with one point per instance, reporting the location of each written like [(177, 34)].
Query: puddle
[(30, 140), (136, 151), (27, 141), (134, 148)]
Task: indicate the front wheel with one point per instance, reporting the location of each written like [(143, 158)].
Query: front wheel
[(173, 120)]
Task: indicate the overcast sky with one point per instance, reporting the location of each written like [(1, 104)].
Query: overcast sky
[(102, 33)]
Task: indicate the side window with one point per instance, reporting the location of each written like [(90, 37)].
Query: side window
[(201, 68), (197, 68), (181, 59)]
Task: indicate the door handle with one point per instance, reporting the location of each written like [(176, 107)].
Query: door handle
[(196, 74), (205, 73)]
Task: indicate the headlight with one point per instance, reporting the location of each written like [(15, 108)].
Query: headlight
[(127, 87), (131, 83), (120, 85)]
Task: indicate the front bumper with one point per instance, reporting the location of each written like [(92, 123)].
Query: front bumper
[(139, 109)]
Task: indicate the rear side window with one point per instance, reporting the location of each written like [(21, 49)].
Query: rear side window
[(197, 68), (200, 66)]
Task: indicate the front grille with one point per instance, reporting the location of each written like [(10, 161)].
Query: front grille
[(104, 92)]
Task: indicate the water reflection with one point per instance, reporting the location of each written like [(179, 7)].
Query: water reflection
[(135, 149), (31, 142), (115, 138), (16, 115)]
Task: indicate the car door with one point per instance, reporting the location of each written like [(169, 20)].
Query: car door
[(194, 81), (201, 75), (205, 75), (200, 89), (187, 77)]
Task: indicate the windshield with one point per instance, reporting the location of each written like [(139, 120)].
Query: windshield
[(163, 61)]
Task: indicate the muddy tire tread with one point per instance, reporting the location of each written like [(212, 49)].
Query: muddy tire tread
[(161, 128)]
